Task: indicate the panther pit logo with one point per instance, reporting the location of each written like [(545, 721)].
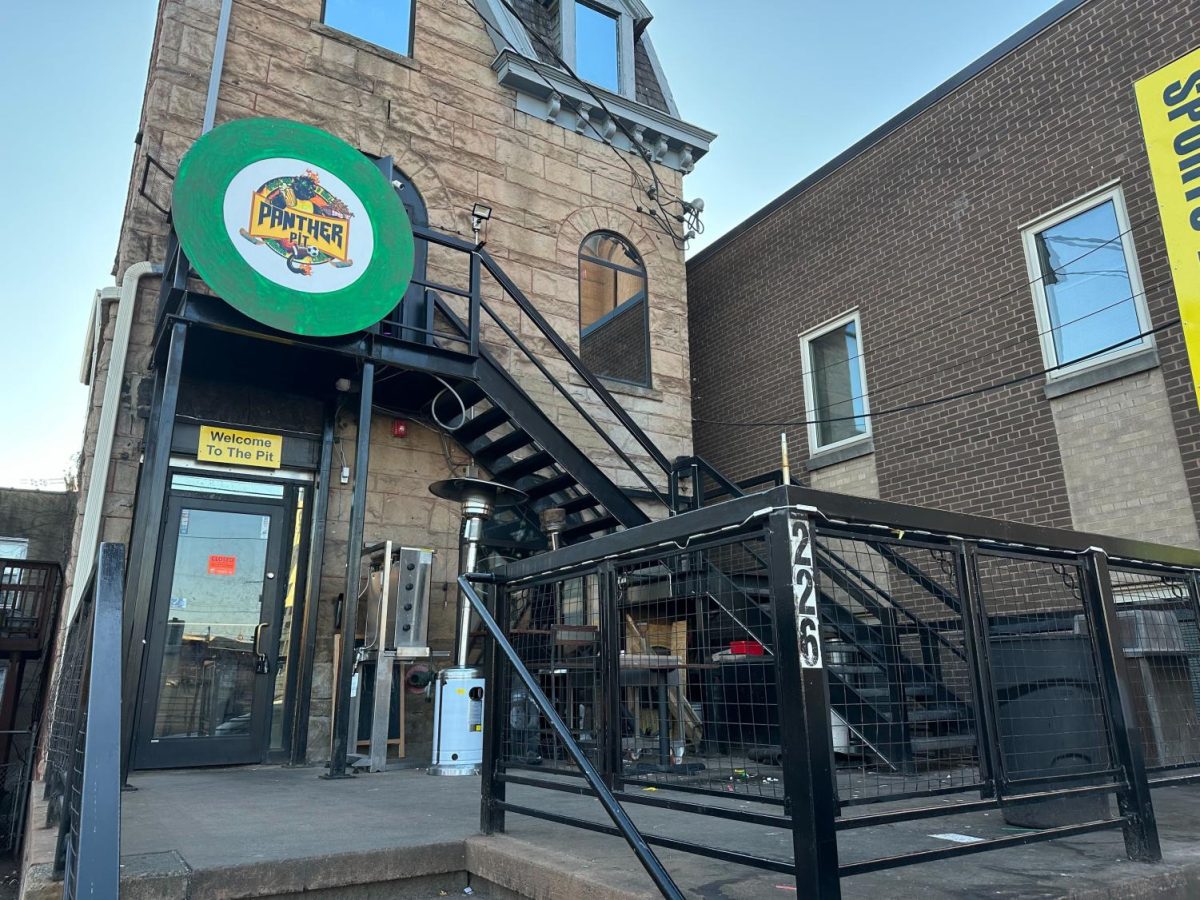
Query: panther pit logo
[(301, 221)]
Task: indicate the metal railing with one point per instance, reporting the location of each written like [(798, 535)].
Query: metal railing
[(29, 593), (83, 781), (452, 318), (821, 664)]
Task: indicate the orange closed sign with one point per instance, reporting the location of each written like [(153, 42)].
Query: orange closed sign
[(222, 565)]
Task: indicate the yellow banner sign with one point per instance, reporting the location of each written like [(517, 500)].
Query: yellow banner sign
[(299, 225), (239, 448), (1169, 103)]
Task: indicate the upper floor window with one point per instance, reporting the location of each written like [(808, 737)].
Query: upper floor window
[(835, 384), (1087, 291), (614, 326), (14, 548), (597, 46), (389, 25)]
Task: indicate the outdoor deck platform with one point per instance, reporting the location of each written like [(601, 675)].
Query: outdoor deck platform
[(274, 832)]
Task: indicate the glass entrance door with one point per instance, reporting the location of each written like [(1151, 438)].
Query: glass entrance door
[(213, 652)]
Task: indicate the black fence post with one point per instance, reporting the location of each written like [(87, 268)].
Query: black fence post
[(344, 743), (608, 698), (805, 721), (976, 636), (1133, 798), (497, 706)]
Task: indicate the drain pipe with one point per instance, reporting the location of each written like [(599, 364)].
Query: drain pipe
[(89, 533)]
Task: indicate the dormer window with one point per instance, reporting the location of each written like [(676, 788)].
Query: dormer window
[(598, 42), (597, 46)]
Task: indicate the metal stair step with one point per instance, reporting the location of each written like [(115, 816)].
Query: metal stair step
[(579, 504), (550, 486), (934, 743), (930, 714), (528, 465), (481, 424), (590, 527), (502, 446)]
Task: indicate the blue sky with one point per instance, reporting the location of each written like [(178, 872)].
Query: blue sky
[(787, 85)]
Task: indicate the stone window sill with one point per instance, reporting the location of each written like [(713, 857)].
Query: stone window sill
[(366, 46), (1111, 370), (619, 387), (824, 458)]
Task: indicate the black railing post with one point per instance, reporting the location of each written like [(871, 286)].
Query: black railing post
[(343, 741), (805, 720), (473, 318), (143, 550), (1133, 797), (497, 708), (975, 641), (608, 698)]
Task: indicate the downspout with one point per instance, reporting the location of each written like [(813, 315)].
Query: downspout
[(93, 508)]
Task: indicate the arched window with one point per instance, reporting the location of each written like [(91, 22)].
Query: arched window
[(614, 325)]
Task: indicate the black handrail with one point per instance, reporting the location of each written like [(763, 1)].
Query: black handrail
[(512, 336), (89, 838), (620, 818), (574, 361)]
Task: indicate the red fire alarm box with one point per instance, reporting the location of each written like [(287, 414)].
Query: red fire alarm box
[(399, 428)]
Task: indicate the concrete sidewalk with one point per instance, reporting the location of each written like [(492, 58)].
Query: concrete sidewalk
[(271, 832)]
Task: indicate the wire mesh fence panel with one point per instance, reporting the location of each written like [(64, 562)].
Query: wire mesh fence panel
[(64, 722), (697, 682), (896, 662), (1160, 640), (555, 628), (16, 751), (1050, 714)]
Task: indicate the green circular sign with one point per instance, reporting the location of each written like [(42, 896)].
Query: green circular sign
[(293, 227)]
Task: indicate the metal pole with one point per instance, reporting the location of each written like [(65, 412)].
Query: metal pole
[(218, 63), (805, 726), (151, 500), (975, 641), (354, 542), (97, 866), (1133, 798), (312, 593), (472, 533), (496, 711), (637, 843)]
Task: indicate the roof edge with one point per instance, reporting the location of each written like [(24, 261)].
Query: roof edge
[(1051, 17)]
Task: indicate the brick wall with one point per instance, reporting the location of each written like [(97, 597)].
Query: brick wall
[(921, 233)]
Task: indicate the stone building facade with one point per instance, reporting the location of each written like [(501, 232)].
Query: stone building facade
[(934, 231), (475, 111)]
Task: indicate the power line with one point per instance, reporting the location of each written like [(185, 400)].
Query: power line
[(661, 222), (923, 404), (994, 350), (989, 301)]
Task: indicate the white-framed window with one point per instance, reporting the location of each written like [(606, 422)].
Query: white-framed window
[(1087, 290), (387, 25), (597, 42), (835, 384)]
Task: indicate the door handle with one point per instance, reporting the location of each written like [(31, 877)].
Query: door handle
[(261, 665)]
